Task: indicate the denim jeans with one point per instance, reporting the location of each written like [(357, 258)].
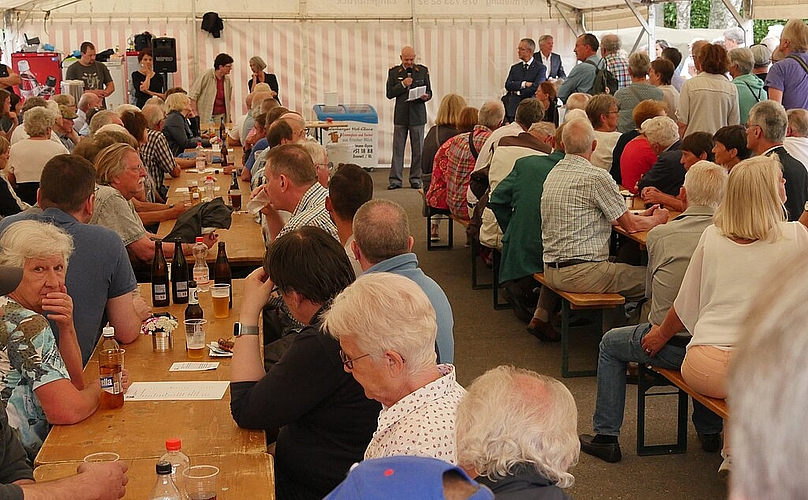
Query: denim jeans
[(620, 346), (400, 132)]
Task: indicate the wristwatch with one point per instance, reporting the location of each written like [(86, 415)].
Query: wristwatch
[(239, 330)]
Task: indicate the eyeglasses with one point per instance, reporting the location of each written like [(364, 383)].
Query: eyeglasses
[(348, 362), (137, 169)]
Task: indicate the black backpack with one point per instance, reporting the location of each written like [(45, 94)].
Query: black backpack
[(605, 82)]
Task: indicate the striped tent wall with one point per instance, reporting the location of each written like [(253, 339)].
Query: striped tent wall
[(470, 58)]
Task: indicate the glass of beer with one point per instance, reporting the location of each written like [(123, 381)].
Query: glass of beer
[(220, 293), (200, 482), (195, 337)]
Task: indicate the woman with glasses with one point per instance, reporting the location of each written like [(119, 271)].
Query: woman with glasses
[(387, 328), (321, 415)]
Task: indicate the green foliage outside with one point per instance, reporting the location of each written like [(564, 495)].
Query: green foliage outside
[(700, 18)]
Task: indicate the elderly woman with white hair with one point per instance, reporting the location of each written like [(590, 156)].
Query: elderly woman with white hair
[(750, 87), (257, 66), (733, 259), (386, 329), (176, 127), (666, 174), (42, 384), (29, 156), (516, 433)]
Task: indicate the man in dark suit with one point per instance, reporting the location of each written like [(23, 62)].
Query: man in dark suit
[(551, 60), (409, 117), (523, 78)]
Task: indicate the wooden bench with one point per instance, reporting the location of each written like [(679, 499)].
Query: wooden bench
[(650, 377), (579, 301)]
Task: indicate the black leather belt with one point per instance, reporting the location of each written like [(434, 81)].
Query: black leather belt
[(561, 265)]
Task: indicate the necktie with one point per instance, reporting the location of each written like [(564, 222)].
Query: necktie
[(525, 66)]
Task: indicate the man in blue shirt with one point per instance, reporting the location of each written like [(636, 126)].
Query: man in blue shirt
[(382, 243), (582, 75)]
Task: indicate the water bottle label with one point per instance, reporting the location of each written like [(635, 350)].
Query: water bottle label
[(111, 383)]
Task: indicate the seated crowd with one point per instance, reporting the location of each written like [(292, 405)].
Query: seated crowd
[(368, 375)]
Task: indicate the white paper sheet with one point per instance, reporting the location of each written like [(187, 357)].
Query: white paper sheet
[(176, 391), (416, 93), (194, 366)]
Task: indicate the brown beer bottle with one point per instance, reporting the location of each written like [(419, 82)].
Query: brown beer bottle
[(193, 311), (179, 275), (221, 272), (159, 277)]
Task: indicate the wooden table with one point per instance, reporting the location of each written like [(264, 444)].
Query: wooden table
[(244, 240), (241, 475), (139, 429)]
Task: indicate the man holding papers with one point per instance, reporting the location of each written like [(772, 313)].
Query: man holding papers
[(408, 83)]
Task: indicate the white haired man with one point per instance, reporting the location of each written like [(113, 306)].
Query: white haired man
[(386, 328), (765, 132), (796, 141), (516, 433), (670, 247), (579, 205), (666, 174)]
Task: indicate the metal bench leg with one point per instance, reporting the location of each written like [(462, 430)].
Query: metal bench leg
[(646, 380), (497, 255), (475, 257), (565, 344), (433, 246)]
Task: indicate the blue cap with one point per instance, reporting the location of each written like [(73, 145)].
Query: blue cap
[(401, 477)]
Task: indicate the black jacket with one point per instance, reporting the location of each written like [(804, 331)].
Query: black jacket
[(524, 484)]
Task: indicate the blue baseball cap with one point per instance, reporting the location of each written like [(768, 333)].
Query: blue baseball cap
[(401, 477)]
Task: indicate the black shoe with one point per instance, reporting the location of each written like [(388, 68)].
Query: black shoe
[(610, 452), (543, 331), (393, 186), (415, 185), (514, 297), (711, 443)]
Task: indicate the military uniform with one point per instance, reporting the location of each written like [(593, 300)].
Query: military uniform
[(409, 117)]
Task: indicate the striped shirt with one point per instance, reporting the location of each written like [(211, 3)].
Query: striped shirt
[(157, 157), (578, 204), (310, 211), (618, 65)]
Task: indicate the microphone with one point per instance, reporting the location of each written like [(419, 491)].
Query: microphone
[(409, 72)]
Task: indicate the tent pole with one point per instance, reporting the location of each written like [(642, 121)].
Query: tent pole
[(195, 67)]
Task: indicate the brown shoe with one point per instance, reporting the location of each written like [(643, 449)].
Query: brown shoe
[(543, 331)]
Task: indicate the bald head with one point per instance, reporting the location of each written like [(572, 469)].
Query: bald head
[(407, 56)]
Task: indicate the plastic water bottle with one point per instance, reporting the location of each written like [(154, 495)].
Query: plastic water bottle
[(200, 157), (201, 272), (110, 364), (209, 188), (179, 461), (164, 488), (29, 86)]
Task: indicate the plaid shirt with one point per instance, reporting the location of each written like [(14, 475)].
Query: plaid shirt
[(157, 157), (618, 65), (458, 168), (310, 211), (578, 204)]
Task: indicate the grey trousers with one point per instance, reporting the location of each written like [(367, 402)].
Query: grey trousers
[(400, 132)]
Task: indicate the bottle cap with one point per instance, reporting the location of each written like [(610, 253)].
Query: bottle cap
[(163, 467), (173, 444), (108, 331), (199, 239)]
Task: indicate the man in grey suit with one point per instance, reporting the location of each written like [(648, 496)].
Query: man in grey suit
[(409, 117), (551, 60), (523, 79)]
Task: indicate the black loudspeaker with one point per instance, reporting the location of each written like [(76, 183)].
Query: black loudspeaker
[(164, 51)]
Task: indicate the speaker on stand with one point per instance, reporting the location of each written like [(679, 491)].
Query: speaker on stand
[(164, 51)]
